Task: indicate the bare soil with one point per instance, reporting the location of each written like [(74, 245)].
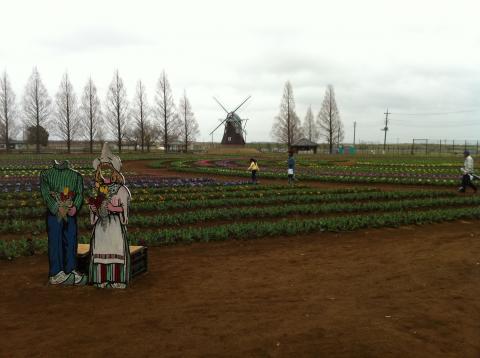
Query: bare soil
[(402, 292)]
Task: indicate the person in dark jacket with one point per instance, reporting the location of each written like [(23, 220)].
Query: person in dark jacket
[(291, 168)]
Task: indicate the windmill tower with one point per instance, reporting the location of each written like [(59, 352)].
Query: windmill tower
[(234, 132)]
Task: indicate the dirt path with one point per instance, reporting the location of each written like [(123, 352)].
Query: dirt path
[(141, 167), (393, 292)]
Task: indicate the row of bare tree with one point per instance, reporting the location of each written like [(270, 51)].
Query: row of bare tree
[(136, 122), (288, 129)]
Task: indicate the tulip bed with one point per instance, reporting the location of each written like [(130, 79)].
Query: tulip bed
[(411, 171), (215, 211), (168, 210)]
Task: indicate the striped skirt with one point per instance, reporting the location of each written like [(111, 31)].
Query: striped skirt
[(100, 273)]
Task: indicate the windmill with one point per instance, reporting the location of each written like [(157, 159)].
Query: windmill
[(234, 132)]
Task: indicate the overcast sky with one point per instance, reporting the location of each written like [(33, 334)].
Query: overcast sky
[(412, 56)]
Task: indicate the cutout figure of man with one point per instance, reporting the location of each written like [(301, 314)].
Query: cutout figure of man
[(62, 191)]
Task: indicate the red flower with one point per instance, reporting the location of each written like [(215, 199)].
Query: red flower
[(96, 200)]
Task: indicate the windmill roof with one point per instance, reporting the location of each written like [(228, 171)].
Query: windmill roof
[(304, 142)]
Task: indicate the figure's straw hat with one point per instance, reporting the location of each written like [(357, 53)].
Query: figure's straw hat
[(108, 157)]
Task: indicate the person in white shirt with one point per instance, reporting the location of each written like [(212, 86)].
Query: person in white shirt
[(467, 171)]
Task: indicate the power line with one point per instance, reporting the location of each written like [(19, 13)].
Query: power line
[(429, 124), (436, 113)]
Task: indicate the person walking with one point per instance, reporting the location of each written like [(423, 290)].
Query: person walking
[(254, 169), (291, 168), (467, 171)]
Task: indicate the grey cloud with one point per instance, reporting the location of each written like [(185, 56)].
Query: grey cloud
[(92, 39)]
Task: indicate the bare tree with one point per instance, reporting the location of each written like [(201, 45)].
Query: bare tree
[(36, 105), (7, 110), (140, 113), (91, 113), (310, 127), (189, 129), (68, 123), (165, 111), (152, 133), (286, 127), (132, 136), (117, 108), (328, 119)]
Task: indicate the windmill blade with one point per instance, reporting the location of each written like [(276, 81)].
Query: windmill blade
[(242, 104), (216, 100), (219, 125), (245, 124)]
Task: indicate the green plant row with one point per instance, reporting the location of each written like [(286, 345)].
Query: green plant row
[(188, 218), (12, 206), (254, 230), (36, 195), (246, 194), (300, 198), (242, 213), (286, 227)]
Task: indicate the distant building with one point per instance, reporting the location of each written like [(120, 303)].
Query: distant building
[(14, 145), (304, 145)]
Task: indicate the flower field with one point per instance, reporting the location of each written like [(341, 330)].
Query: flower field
[(166, 210), (407, 170)]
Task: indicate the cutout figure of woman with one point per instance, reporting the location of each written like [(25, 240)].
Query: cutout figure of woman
[(109, 250)]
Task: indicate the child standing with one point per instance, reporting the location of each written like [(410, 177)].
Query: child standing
[(254, 169)]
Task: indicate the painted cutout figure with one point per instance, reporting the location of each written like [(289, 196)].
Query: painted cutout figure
[(62, 191), (109, 250)]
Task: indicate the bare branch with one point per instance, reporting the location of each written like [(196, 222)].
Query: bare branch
[(189, 129), (286, 127), (8, 111), (165, 111), (68, 122), (328, 120), (140, 114), (91, 113), (117, 109), (36, 105)]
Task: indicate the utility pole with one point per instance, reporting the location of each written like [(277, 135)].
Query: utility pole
[(354, 130), (385, 129)]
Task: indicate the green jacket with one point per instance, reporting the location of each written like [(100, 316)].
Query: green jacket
[(55, 179)]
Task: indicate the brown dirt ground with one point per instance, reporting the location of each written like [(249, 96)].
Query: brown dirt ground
[(405, 292), (402, 292)]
